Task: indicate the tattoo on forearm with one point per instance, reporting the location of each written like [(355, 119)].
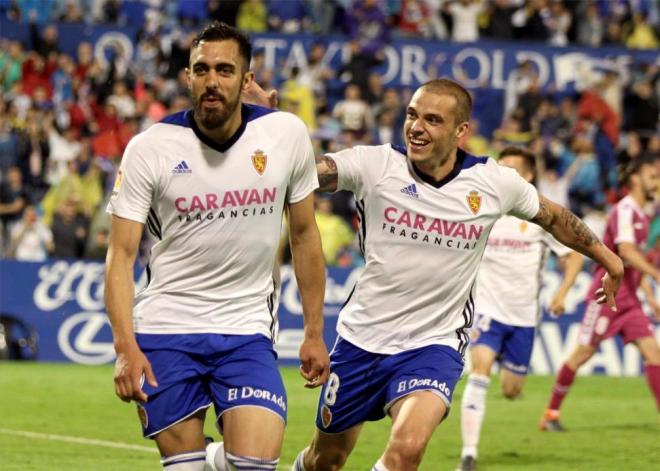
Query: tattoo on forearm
[(544, 217), (327, 176), (567, 222), (583, 235)]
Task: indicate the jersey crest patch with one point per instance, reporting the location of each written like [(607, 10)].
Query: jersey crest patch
[(474, 201), (326, 416), (523, 226), (259, 160)]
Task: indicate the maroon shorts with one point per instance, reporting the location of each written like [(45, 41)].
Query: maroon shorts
[(600, 322)]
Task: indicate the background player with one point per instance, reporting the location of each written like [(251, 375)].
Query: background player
[(507, 306), (211, 185), (425, 214), (626, 233)]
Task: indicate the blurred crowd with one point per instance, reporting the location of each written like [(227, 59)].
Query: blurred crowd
[(65, 121)]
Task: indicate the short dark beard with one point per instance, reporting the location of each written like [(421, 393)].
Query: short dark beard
[(214, 119)]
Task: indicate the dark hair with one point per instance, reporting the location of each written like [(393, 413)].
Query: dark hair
[(633, 167), (528, 157), (219, 31), (449, 87)]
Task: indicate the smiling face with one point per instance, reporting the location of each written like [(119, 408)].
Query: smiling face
[(430, 130), (216, 77)]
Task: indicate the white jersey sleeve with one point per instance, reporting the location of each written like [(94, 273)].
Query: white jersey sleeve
[(136, 182), (360, 168), (519, 198), (303, 177)]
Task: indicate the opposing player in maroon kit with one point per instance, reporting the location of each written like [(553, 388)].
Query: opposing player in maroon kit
[(626, 234)]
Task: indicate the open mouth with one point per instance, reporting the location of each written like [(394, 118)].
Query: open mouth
[(211, 100), (418, 144)]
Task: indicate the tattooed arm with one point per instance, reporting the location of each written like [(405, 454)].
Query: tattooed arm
[(568, 229), (326, 168)]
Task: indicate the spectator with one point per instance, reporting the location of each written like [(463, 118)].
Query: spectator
[(252, 16), (98, 248), (358, 68), (336, 235), (590, 28), (31, 239), (224, 10), (353, 113), (8, 146), (298, 99), (642, 35), (465, 16), (414, 19), (288, 17), (316, 74), (500, 16), (643, 108), (14, 198), (122, 100), (520, 79), (72, 13), (367, 25), (558, 22), (69, 228), (11, 62)]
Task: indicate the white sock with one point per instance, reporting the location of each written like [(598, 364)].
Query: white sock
[(299, 464), (239, 463), (473, 409), (215, 457), (379, 466), (193, 461)]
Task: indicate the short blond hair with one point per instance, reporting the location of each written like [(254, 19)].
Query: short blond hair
[(445, 86)]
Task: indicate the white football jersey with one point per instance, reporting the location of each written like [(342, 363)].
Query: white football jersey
[(216, 211), (509, 278), (423, 242)]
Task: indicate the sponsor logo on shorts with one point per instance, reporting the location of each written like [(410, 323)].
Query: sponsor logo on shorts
[(326, 416), (142, 414), (423, 383), (248, 392)]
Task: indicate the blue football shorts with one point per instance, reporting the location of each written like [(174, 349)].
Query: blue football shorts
[(363, 386), (196, 370), (512, 344)]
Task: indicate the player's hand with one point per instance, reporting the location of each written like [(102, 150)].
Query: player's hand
[(255, 95), (607, 292), (556, 306), (130, 366), (314, 361)]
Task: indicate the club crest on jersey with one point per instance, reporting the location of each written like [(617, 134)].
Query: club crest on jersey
[(474, 201), (142, 414), (259, 160), (326, 416), (523, 226)]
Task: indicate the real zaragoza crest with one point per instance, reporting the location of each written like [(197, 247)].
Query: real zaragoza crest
[(474, 201), (259, 160)]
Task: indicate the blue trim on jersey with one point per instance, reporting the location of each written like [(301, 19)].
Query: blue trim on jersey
[(186, 119), (401, 149), (463, 161), (178, 119)]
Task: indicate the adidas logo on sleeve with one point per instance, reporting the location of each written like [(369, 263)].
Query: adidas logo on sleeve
[(182, 168)]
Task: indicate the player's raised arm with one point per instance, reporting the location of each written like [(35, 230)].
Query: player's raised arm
[(131, 363), (568, 229), (309, 268)]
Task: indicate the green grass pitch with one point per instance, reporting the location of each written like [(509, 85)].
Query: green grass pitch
[(613, 425)]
